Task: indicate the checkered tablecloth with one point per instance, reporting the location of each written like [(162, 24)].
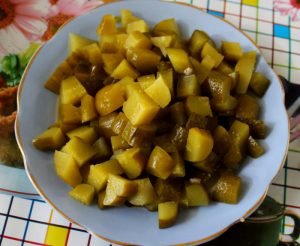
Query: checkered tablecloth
[(275, 27)]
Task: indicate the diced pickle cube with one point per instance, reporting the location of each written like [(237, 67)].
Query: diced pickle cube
[(178, 114), (254, 149), (231, 50), (52, 138), (221, 140), (227, 189), (98, 174), (69, 114), (138, 40), (145, 193), (140, 108), (106, 125), (197, 41), (159, 92), (67, 168), (179, 59), (71, 91), (199, 145), (196, 195), (247, 108), (259, 83), (138, 25), (117, 142), (188, 85), (167, 26), (132, 162), (88, 110), (124, 69), (160, 163), (111, 61), (208, 49), (198, 105), (167, 214), (86, 133), (179, 169), (84, 193), (102, 148), (107, 25), (81, 151), (76, 42)]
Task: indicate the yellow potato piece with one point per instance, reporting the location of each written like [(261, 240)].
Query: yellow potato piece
[(132, 162), (71, 91), (81, 151), (160, 163), (52, 138), (199, 145), (98, 174), (127, 17), (167, 26), (83, 193), (140, 108), (66, 168), (145, 193), (138, 25), (159, 92), (122, 187), (167, 214), (137, 40), (100, 200), (86, 133)]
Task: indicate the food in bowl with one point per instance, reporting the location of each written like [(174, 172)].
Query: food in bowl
[(148, 119)]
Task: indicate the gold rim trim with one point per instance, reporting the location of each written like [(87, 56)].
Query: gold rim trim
[(203, 240)]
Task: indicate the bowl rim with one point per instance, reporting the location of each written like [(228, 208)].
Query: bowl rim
[(41, 192)]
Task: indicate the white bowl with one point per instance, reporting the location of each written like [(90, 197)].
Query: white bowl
[(37, 107)]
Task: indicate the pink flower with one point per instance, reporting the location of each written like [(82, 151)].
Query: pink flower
[(288, 7), (62, 11), (21, 22)]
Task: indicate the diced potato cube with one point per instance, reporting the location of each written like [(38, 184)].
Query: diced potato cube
[(124, 69), (71, 91), (52, 138), (85, 133), (81, 151), (245, 67), (100, 200), (109, 98), (145, 193), (179, 59), (138, 40), (160, 163), (83, 193), (227, 189), (111, 61), (69, 114), (98, 174), (259, 83), (143, 60), (167, 26), (146, 80), (247, 108), (127, 17), (140, 108), (231, 50), (132, 162), (106, 125), (88, 109), (196, 195), (66, 168), (199, 145), (254, 149), (102, 148), (76, 42), (187, 85), (197, 41), (159, 92), (117, 142), (138, 25), (167, 213), (208, 49), (107, 26), (198, 105)]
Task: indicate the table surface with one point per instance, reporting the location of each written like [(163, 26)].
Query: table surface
[(25, 219)]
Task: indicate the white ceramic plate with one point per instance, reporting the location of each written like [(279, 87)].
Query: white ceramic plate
[(137, 225)]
